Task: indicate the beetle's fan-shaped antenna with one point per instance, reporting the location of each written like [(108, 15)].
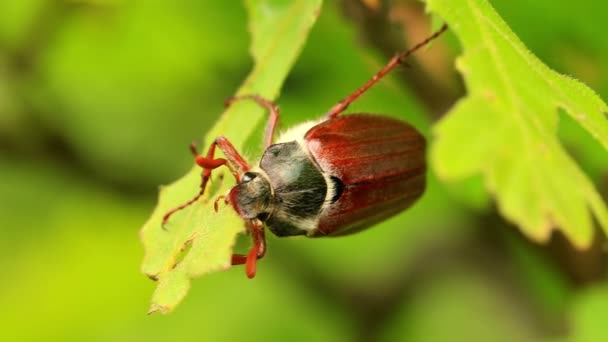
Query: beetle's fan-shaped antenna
[(209, 163)]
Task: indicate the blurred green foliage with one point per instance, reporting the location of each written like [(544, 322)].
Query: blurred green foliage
[(98, 102)]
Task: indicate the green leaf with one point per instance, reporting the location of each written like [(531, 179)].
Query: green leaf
[(506, 128), (198, 240), (588, 315)]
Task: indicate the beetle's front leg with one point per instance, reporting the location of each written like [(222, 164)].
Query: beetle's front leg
[(234, 161), (258, 250)]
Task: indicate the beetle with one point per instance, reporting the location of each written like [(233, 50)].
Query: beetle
[(328, 177)]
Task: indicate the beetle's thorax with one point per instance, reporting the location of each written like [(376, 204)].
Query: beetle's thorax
[(252, 197), (298, 189)]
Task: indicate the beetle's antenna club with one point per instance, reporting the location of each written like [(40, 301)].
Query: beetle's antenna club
[(392, 64), (209, 163)]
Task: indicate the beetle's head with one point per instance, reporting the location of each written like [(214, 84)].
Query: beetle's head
[(252, 197)]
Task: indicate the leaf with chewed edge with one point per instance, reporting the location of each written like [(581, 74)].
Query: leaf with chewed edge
[(506, 128), (197, 240)]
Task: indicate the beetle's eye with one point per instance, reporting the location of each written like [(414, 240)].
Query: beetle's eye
[(249, 176)]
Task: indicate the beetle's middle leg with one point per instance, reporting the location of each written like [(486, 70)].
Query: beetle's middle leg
[(234, 161), (272, 108)]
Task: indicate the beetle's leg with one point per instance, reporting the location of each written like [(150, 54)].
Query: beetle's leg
[(394, 62), (235, 163), (272, 108), (219, 198), (258, 250)]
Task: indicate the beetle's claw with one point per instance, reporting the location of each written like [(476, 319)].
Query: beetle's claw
[(215, 203), (228, 101), (194, 148), (163, 225)]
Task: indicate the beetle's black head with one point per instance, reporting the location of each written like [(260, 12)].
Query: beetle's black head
[(252, 197)]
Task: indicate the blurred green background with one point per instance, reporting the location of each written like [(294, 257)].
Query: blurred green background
[(99, 100)]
